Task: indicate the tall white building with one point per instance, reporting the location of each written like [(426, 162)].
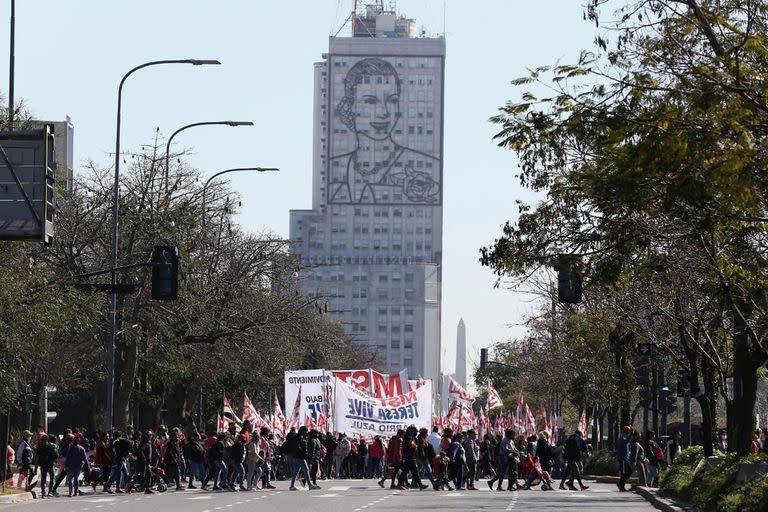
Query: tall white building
[(461, 353), (371, 245)]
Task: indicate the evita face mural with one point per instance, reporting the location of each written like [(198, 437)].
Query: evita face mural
[(385, 141)]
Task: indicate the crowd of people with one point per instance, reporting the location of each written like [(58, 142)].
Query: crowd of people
[(247, 459), (244, 459)]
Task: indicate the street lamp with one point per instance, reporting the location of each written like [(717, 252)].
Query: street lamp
[(115, 226), (236, 169), (204, 123)]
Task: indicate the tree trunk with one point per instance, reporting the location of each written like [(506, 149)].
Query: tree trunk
[(125, 377), (620, 341), (741, 410)]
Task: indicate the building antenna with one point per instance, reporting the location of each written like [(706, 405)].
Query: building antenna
[(444, 8)]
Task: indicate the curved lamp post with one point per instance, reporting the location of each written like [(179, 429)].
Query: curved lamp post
[(236, 169), (204, 123), (115, 229)]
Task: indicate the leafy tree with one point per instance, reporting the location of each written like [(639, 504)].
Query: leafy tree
[(654, 141)]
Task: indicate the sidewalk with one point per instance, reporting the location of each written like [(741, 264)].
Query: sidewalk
[(663, 500), (19, 497)]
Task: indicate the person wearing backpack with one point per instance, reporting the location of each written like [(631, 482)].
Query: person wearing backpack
[(340, 454), (656, 457), (572, 453)]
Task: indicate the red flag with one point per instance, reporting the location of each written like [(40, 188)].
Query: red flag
[(249, 411), (530, 422), (296, 415), (583, 423), (227, 409), (278, 419), (456, 392), (494, 400), (541, 420)]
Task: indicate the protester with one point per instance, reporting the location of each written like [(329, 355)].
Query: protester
[(47, 455), (574, 448), (74, 461), (622, 454)]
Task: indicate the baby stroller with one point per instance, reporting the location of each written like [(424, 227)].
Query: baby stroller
[(533, 475), (157, 481)]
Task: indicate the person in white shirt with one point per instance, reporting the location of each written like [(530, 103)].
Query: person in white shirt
[(435, 439)]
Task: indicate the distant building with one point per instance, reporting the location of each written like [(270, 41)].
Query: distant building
[(461, 354), (371, 244)]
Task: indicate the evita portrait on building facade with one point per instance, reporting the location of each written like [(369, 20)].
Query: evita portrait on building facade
[(378, 169)]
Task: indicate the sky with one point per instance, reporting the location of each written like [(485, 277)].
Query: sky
[(71, 55)]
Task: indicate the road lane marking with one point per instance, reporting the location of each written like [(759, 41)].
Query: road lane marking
[(339, 488), (326, 495)]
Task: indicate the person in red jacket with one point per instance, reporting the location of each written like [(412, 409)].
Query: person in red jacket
[(375, 454), (394, 458)]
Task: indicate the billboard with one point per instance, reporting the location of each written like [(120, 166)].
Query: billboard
[(385, 124), (27, 182)]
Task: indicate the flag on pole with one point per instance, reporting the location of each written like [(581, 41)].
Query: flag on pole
[(296, 415), (583, 423), (494, 400), (456, 392), (520, 415), (530, 422), (227, 409), (249, 411), (541, 420), (278, 419), (222, 423)]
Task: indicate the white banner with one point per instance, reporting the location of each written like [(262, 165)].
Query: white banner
[(313, 394), (310, 384), (356, 412)]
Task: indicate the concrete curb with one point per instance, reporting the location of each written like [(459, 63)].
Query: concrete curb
[(10, 499), (664, 501)]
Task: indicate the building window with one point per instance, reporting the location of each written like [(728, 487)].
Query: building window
[(395, 344), (408, 328), (408, 344)]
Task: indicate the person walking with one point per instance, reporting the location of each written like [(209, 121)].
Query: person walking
[(25, 458), (656, 457), (254, 461), (343, 449), (74, 461), (637, 456), (506, 452), (268, 448), (472, 450), (458, 456), (409, 461), (172, 459), (425, 455), (47, 455), (314, 456), (237, 458), (299, 455), (375, 456), (574, 448), (121, 452), (622, 454), (394, 458)]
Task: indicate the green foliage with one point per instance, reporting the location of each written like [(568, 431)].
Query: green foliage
[(602, 463), (715, 489)]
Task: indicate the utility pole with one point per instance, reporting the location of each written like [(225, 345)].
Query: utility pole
[(11, 70)]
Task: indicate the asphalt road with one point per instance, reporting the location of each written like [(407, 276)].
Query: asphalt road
[(346, 496)]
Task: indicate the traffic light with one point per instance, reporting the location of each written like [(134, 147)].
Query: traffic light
[(165, 272), (683, 382), (483, 358), (569, 280)]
